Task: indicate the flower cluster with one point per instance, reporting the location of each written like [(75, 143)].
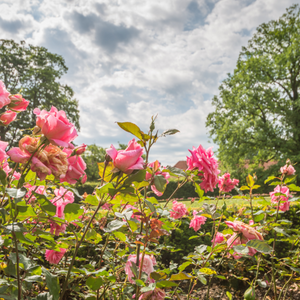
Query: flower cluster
[(282, 200), (178, 210), (15, 103), (148, 264), (287, 170), (197, 221), (226, 184), (204, 161)]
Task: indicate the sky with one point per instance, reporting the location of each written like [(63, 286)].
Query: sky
[(129, 60)]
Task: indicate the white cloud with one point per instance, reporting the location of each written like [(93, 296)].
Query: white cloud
[(129, 60)]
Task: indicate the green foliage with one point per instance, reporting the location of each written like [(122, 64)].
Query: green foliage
[(257, 114), (35, 72)]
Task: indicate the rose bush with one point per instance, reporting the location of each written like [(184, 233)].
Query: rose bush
[(109, 245)]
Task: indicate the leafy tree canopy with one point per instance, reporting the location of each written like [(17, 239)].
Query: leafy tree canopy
[(35, 72), (257, 113)]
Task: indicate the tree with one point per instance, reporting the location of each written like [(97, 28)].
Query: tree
[(257, 112), (35, 72)]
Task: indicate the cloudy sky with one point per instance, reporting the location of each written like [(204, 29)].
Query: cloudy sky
[(131, 59)]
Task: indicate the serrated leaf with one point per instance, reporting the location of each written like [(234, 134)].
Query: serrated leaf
[(16, 193), (72, 211), (181, 276), (260, 246), (176, 171), (270, 178), (94, 283), (183, 266), (33, 278), (120, 235), (198, 190), (280, 230), (91, 200), (114, 225), (160, 183), (241, 249), (52, 284), (244, 187), (131, 128), (294, 187), (139, 176)]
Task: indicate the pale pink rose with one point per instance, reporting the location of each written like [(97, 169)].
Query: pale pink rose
[(237, 242), (37, 189), (53, 256), (156, 294), (251, 222), (3, 154), (63, 197), (288, 170), (41, 169), (17, 175), (129, 159), (226, 184), (80, 149), (4, 99), (204, 161), (218, 239), (158, 172), (197, 221), (106, 206), (178, 210), (248, 232), (75, 171), (18, 156), (284, 203), (18, 103), (8, 117), (148, 263), (56, 127), (56, 228)]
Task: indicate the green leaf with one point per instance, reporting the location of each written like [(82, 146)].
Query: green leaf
[(131, 128), (3, 177), (46, 205), (290, 178), (160, 183), (133, 225), (241, 249), (270, 178), (228, 294), (207, 271), (198, 190), (16, 193), (44, 296), (176, 171), (33, 278), (181, 276), (139, 176), (17, 227), (151, 206), (250, 293), (202, 279), (260, 246), (25, 211), (183, 266), (294, 187), (259, 217), (72, 211), (52, 284), (26, 262), (255, 187), (169, 132), (120, 235), (94, 283), (114, 225), (244, 187), (280, 230), (165, 284), (250, 180), (104, 189), (91, 200)]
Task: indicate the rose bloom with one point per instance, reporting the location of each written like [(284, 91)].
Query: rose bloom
[(226, 184), (156, 294), (179, 210), (8, 117), (129, 159), (284, 203), (3, 154), (166, 175), (18, 103), (288, 170), (53, 256), (75, 170), (55, 126), (197, 221), (148, 263), (63, 197), (37, 189), (4, 95), (218, 239), (204, 161), (80, 149)]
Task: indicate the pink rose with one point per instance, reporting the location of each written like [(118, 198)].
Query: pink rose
[(41, 169), (63, 197), (218, 239), (129, 159), (148, 263), (53, 256), (226, 184), (248, 232), (179, 210), (284, 203), (37, 189), (288, 170), (158, 172), (56, 127), (18, 103), (75, 171), (4, 99), (204, 161), (197, 221), (156, 294), (3, 154), (8, 117)]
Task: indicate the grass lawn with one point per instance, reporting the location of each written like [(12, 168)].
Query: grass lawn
[(229, 202)]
